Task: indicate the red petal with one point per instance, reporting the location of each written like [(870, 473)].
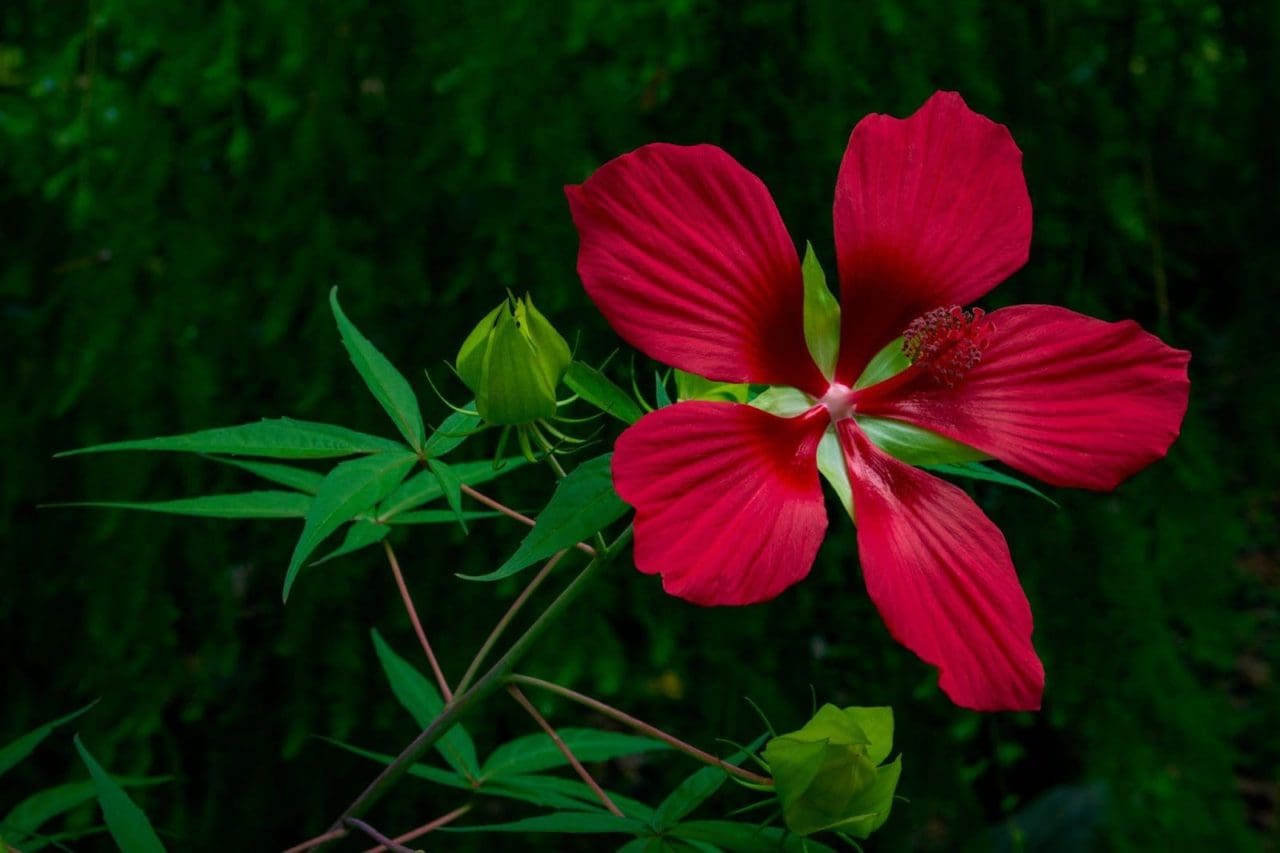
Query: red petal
[(940, 573), (685, 254), (1064, 397), (728, 506), (930, 211)]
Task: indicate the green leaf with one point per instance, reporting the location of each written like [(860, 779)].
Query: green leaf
[(695, 789), (360, 534), (747, 837), (348, 490), (577, 823), (267, 504), (301, 479), (451, 485), (916, 445), (691, 386), (387, 384), (583, 504), (39, 808), (420, 698), (425, 486), (281, 438), (438, 516), (821, 314), (538, 752), (455, 429), (660, 390), (129, 827), (978, 471), (601, 392), (19, 748)]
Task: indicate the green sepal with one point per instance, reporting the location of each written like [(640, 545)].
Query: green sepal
[(821, 315), (916, 445), (513, 361), (890, 361), (691, 386)]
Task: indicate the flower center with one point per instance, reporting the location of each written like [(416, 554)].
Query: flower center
[(947, 342), (838, 401)]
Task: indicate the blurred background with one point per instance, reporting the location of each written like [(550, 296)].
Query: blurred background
[(181, 184)]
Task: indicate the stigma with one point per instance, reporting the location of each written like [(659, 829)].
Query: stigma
[(947, 342)]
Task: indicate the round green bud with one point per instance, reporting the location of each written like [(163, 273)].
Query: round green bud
[(512, 361)]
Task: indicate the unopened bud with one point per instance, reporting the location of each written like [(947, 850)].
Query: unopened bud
[(512, 361)]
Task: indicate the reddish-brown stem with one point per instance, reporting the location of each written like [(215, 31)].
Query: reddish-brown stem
[(417, 625), (425, 828), (586, 777), (386, 843), (511, 513), (331, 835), (641, 726)]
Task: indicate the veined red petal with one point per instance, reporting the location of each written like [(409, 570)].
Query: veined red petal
[(930, 211), (940, 573), (728, 506), (1064, 397), (685, 254)]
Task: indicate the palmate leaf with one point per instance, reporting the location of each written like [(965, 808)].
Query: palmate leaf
[(388, 385), (747, 837), (280, 438), (265, 504), (695, 789), (39, 808), (348, 490), (129, 827), (424, 486), (438, 516), (601, 392), (360, 534), (455, 429), (301, 479), (450, 485), (22, 746), (576, 823), (979, 471), (583, 504), (536, 752)]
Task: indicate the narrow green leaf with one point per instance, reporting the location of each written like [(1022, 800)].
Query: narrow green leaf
[(129, 827), (536, 752), (821, 314), (451, 485), (747, 837), (695, 789), (281, 438), (601, 392), (916, 445), (387, 384), (424, 487), (660, 390), (266, 504), (361, 534), (39, 808), (978, 471), (577, 823), (348, 490), (583, 504), (301, 479), (438, 516), (455, 429), (420, 698), (19, 748)]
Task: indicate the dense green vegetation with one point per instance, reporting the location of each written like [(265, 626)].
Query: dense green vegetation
[(180, 187)]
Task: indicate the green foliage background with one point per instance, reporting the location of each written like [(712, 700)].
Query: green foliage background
[(181, 184)]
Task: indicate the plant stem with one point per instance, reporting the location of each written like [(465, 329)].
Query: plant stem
[(356, 823), (417, 624), (489, 682), (425, 828), (586, 777), (641, 726), (331, 835), (492, 639), (518, 516)]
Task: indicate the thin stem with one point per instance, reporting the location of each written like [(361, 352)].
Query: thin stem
[(417, 625), (586, 777), (518, 516), (492, 639), (331, 835), (425, 828), (368, 830), (641, 726), (489, 682), (549, 451)]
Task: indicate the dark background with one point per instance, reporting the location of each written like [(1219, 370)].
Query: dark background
[(181, 184)]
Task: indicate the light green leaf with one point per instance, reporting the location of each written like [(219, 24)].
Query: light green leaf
[(890, 361), (871, 807), (691, 386), (455, 429), (451, 486), (420, 698), (978, 471), (601, 392), (266, 504), (348, 490), (129, 827), (387, 384), (30, 814), (916, 445), (301, 479), (19, 748), (577, 823), (424, 487), (361, 534), (538, 752), (835, 470), (583, 504), (821, 314), (783, 401), (281, 438)]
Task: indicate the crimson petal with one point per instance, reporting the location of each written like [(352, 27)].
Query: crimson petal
[(930, 211), (685, 254), (940, 573), (1066, 398), (728, 505)]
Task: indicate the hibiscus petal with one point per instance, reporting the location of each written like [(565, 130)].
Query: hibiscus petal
[(940, 573), (728, 505), (684, 252), (1064, 397), (930, 211)]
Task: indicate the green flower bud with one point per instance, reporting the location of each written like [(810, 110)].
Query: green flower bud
[(826, 774), (513, 361)]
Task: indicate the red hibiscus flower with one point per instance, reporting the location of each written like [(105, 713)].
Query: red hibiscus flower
[(685, 254)]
